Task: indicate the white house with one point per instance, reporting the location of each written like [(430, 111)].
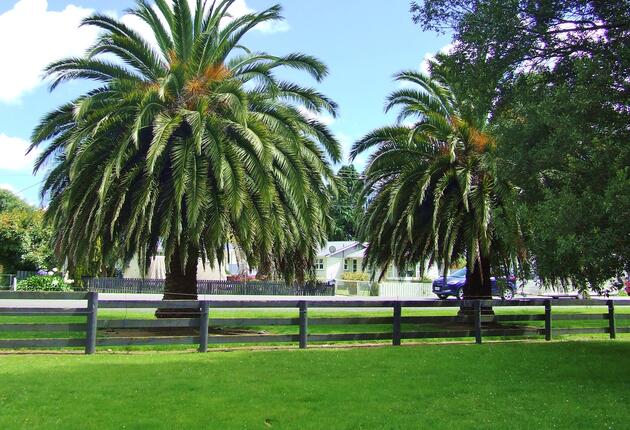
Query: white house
[(233, 265), (337, 258), (332, 261)]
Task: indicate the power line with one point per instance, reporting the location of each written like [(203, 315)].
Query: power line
[(29, 187)]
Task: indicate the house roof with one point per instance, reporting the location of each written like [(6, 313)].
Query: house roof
[(333, 248), (359, 253)]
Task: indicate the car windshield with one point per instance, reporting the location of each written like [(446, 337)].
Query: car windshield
[(461, 273)]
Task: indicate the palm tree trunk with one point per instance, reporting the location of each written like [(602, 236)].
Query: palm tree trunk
[(478, 284), (478, 287), (181, 284)]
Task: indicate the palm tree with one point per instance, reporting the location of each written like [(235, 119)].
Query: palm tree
[(188, 145), (435, 196)]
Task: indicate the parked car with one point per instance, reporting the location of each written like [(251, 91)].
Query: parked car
[(455, 286)]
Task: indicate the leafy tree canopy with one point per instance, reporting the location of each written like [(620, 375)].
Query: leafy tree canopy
[(555, 77), (348, 207), (9, 201), (24, 238)]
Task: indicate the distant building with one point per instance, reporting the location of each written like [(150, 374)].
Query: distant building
[(339, 257), (332, 261), (233, 265)]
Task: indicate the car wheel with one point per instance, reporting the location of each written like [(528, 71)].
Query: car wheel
[(507, 294), (443, 296), (460, 293)]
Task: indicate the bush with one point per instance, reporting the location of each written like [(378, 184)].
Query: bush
[(374, 289), (355, 276), (43, 283)]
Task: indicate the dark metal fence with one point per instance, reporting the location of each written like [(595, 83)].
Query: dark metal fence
[(25, 274), (203, 319), (211, 287), (6, 281)]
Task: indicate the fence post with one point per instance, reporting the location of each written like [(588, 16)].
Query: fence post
[(303, 324), (13, 283), (92, 323), (477, 321), (611, 319), (547, 319), (203, 326), (396, 324)]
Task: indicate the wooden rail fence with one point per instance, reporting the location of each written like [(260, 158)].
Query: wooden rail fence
[(29, 302)]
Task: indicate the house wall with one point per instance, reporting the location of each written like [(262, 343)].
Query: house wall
[(334, 268), (157, 270)]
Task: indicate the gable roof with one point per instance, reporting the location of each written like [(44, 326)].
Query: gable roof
[(359, 253), (334, 248)]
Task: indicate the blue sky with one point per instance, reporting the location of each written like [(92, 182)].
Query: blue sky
[(363, 42)]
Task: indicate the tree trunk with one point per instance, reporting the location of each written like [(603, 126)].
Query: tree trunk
[(181, 284), (478, 284), (478, 287)]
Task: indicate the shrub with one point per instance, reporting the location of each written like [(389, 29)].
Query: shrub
[(355, 276), (43, 283), (374, 289)]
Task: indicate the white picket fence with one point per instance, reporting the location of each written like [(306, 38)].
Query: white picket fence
[(405, 289), (384, 289)]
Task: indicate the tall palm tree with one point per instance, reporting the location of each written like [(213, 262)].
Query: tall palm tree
[(435, 196), (187, 145)]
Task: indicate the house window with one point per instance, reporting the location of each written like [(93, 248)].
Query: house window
[(319, 264), (345, 264), (355, 265)]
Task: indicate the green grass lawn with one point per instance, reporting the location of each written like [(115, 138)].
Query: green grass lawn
[(573, 385)]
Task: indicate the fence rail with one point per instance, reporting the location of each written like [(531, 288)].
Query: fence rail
[(209, 287), (199, 325)]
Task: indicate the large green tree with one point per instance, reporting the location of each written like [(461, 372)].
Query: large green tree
[(188, 145), (435, 192), (24, 238), (347, 208), (555, 76), (568, 151)]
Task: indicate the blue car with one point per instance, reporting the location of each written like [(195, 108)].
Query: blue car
[(455, 286)]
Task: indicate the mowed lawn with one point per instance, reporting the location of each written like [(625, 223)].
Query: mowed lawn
[(577, 385)]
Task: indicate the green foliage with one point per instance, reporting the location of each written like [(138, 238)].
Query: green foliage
[(43, 283), (355, 276), (190, 145), (575, 177), (9, 201), (435, 193), (556, 75), (346, 210), (24, 238), (374, 289)]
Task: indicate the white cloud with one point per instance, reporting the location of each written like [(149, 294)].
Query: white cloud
[(429, 56), (240, 8), (32, 37), (13, 150), (8, 187)]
